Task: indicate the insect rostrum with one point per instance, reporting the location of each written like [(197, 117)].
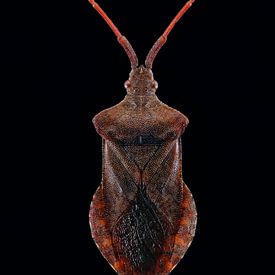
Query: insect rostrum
[(142, 216)]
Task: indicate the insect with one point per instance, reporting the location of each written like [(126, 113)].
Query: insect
[(142, 216)]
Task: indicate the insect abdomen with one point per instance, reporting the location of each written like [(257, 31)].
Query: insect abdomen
[(142, 242)]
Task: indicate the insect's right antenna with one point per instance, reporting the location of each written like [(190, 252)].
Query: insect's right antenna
[(121, 39), (160, 42)]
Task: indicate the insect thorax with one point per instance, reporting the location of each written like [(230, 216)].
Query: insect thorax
[(141, 82)]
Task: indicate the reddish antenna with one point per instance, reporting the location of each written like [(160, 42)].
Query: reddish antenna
[(121, 39), (161, 41), (126, 44)]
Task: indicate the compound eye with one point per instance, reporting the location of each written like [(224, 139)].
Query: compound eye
[(127, 84), (155, 85)]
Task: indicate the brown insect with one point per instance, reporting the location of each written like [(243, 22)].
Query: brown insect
[(142, 216)]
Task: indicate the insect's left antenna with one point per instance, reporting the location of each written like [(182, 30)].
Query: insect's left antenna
[(121, 39), (161, 41)]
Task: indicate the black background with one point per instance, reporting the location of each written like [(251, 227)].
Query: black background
[(62, 65)]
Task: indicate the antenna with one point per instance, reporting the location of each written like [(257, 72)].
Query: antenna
[(121, 39), (162, 39)]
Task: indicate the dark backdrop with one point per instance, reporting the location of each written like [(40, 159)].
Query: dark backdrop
[(62, 65)]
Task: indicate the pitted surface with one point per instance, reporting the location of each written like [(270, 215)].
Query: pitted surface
[(148, 212)]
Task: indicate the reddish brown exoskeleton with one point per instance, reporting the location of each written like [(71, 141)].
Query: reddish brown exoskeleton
[(142, 216)]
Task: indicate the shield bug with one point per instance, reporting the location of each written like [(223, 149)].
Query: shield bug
[(143, 216)]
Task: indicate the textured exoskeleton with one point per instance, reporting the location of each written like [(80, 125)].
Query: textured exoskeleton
[(142, 216)]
